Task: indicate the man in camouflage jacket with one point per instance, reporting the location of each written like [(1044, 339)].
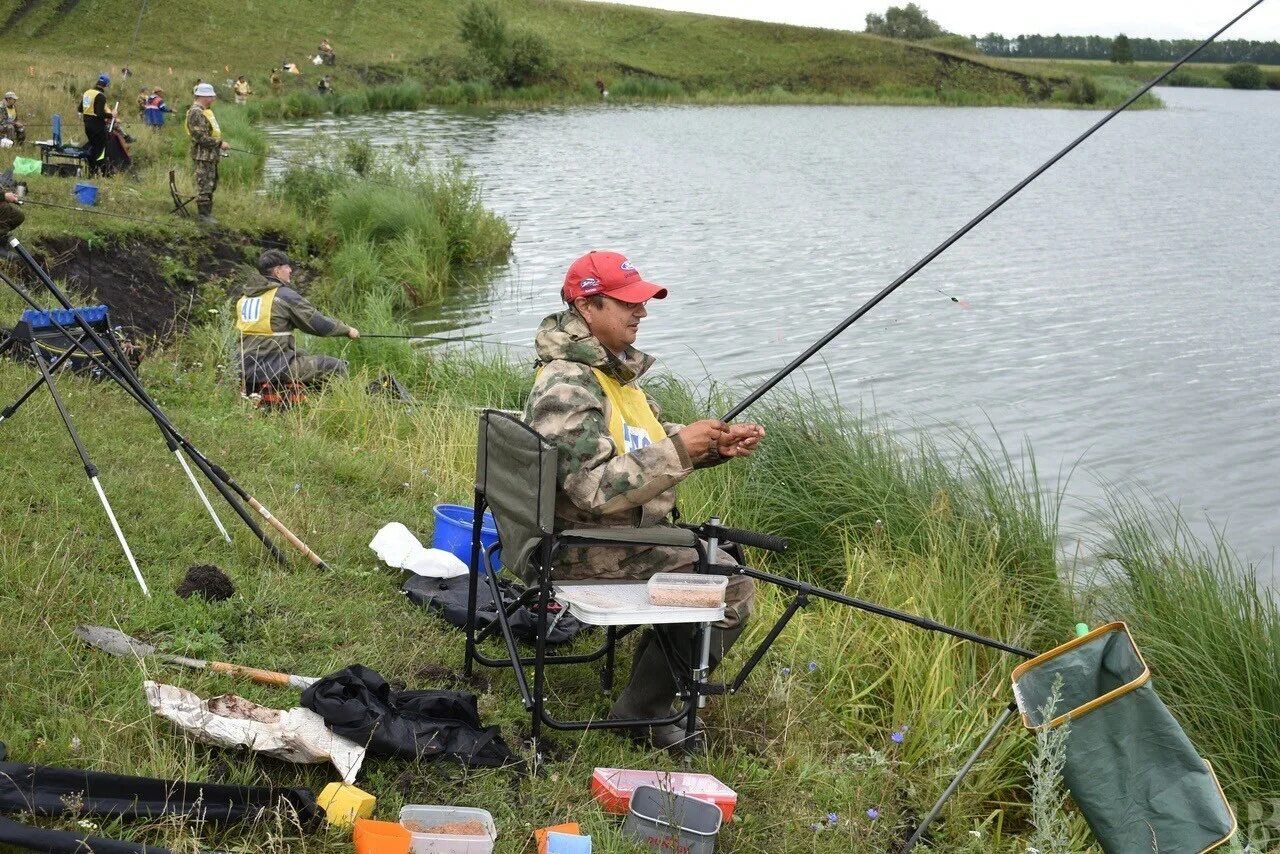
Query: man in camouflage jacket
[(603, 485), (207, 147)]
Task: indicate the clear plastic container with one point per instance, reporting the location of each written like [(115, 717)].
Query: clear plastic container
[(687, 590), (613, 788), (415, 818)]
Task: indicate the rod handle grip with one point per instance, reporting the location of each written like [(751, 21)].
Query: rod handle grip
[(263, 677), (768, 542), (287, 534)]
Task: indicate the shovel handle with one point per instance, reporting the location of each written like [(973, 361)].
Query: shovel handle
[(264, 677), (287, 534)]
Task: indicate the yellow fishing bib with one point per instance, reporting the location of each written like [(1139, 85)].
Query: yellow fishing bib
[(253, 314), (214, 130), (11, 112), (86, 101), (632, 424)]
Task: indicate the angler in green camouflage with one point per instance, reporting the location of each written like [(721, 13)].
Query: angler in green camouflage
[(588, 368)]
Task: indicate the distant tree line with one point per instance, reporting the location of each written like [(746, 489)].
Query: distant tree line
[(1100, 47)]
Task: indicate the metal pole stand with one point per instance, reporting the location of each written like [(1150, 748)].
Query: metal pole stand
[(960, 775), (23, 334)]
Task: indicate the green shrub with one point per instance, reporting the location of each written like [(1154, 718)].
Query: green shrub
[(1082, 89), (529, 58), (1190, 79), (1273, 80), (359, 155), (508, 58), (309, 188), (1244, 75)]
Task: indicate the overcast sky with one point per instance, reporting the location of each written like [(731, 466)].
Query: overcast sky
[(1155, 18)]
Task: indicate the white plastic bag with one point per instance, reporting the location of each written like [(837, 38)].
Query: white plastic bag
[(396, 546), (296, 735)]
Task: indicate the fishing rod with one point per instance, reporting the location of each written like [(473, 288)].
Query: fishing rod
[(967, 227), (444, 338)]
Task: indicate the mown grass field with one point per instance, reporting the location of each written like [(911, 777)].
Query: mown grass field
[(637, 52)]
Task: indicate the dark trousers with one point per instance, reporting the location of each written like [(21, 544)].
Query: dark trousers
[(96, 130), (11, 217)]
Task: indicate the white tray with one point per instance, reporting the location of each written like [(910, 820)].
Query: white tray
[(625, 603)]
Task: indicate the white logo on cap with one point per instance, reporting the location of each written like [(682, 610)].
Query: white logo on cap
[(627, 265), (589, 285)]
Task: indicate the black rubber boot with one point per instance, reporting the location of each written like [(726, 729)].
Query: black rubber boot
[(651, 692)]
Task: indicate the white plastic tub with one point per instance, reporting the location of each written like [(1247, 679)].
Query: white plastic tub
[(447, 843)]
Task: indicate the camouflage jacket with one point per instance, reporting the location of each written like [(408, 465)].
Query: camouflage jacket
[(203, 144), (569, 408), (270, 355)]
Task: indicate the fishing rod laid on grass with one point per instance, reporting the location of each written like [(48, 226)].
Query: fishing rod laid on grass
[(969, 226)]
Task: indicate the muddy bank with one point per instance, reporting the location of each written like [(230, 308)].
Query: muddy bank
[(152, 286)]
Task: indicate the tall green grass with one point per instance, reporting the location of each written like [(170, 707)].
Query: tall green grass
[(1210, 632), (400, 231)]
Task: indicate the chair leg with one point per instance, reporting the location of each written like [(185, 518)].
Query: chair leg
[(610, 660)]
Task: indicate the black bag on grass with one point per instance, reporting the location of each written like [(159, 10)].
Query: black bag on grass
[(448, 598), (358, 704)]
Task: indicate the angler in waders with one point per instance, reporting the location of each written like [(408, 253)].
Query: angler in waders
[(96, 114), (619, 462), (207, 148), (266, 316)]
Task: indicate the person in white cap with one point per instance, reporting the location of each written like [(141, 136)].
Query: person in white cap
[(10, 127), (207, 147)]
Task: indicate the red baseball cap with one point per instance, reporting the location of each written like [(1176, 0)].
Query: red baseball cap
[(611, 274)]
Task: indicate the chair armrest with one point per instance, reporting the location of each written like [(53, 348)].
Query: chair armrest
[(654, 536)]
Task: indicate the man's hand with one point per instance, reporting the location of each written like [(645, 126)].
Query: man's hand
[(740, 440), (353, 333), (700, 437), (11, 198), (226, 146)]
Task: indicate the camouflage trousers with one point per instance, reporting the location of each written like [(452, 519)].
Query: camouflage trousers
[(640, 564), (206, 183)]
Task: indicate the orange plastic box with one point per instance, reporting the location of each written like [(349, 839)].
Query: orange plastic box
[(613, 787)]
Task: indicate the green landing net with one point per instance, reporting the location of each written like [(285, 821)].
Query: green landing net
[(1129, 766)]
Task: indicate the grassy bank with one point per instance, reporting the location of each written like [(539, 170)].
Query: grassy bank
[(956, 534), (401, 55), (953, 530)]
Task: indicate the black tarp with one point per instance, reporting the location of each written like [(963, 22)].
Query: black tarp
[(358, 704), (448, 598)]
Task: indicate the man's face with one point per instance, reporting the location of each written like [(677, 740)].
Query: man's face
[(615, 323), (283, 273), (11, 102)]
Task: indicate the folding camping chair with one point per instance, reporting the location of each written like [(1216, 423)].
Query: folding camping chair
[(179, 204), (516, 480)]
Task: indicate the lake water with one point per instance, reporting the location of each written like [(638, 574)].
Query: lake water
[(1119, 314)]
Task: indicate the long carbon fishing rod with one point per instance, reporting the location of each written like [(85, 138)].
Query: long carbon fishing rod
[(967, 227), (443, 338)]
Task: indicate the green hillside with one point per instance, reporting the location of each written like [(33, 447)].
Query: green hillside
[(399, 38)]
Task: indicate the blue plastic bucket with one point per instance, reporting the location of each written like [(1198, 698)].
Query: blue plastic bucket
[(86, 194), (453, 532)]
